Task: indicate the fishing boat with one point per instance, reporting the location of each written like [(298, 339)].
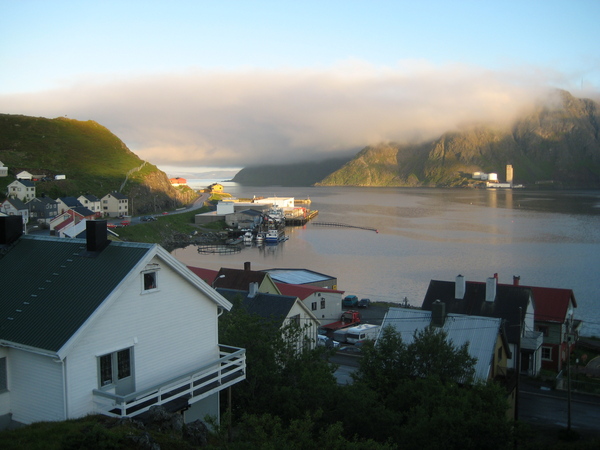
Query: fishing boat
[(248, 238), (259, 239), (272, 236)]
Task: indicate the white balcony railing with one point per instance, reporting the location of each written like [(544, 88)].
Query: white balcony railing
[(226, 371)]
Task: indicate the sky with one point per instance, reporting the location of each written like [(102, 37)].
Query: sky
[(208, 87)]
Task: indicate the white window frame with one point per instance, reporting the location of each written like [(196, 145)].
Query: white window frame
[(113, 357), (549, 349)]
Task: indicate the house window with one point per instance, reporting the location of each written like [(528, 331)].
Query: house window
[(314, 306), (547, 353), (499, 353), (3, 375), (543, 330), (295, 319), (150, 280), (114, 366), (322, 304)]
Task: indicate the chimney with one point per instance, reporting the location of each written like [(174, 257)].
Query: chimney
[(247, 265), (490, 289), (253, 290), (11, 229), (438, 314), (459, 287), (516, 280), (96, 236)]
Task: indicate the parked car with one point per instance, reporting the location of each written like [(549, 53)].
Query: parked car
[(327, 342), (147, 218), (364, 303), (350, 301)]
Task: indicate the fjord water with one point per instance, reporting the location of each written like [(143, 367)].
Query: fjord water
[(548, 238)]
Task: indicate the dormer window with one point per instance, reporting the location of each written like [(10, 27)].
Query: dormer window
[(150, 278)]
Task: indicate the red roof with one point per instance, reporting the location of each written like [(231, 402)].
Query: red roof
[(301, 291), (206, 275), (552, 304)]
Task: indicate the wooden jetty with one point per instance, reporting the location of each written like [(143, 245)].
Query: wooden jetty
[(344, 225), (301, 220)]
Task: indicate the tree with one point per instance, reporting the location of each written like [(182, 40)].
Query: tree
[(425, 396), (284, 377)]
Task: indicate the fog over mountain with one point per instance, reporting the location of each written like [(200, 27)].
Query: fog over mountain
[(204, 118)]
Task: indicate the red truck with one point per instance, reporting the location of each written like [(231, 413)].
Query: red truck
[(348, 319)]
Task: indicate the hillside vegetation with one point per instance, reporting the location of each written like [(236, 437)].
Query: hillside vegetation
[(557, 143), (94, 160)]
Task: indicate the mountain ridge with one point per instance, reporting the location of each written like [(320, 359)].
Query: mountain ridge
[(556, 142)]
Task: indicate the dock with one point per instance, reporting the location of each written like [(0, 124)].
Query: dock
[(301, 220)]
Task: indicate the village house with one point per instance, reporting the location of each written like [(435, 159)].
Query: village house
[(240, 280), (70, 218), (15, 207), (178, 181), (96, 326), (325, 304), (66, 203), (260, 295), (24, 190), (24, 175), (216, 188), (513, 304), (3, 170), (555, 320), (91, 202), (485, 336), (115, 204), (282, 309), (42, 209)]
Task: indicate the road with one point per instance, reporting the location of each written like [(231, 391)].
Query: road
[(198, 203)]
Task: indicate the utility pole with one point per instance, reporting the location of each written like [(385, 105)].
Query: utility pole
[(518, 364), (568, 339)]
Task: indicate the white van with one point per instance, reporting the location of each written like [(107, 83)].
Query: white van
[(362, 333)]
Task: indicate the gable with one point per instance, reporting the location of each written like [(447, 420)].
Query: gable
[(53, 288), (552, 304)]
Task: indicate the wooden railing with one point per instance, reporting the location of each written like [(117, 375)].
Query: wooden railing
[(196, 385)]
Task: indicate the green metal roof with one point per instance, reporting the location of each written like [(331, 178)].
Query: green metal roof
[(50, 287)]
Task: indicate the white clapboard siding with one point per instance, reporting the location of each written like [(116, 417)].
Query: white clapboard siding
[(172, 331), (36, 387)]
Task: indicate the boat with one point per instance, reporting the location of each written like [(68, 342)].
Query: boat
[(272, 236), (259, 239), (248, 238)]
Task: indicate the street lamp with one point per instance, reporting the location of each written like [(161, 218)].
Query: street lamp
[(215, 280)]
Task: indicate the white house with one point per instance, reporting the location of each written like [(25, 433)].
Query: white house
[(24, 175), (115, 204), (24, 190), (325, 304), (97, 326), (3, 170), (15, 207), (92, 203)]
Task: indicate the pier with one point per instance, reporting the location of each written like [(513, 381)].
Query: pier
[(344, 225), (301, 220)]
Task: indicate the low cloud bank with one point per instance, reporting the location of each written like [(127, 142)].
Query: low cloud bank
[(243, 118)]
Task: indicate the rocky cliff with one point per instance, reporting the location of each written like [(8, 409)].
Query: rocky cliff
[(557, 142)]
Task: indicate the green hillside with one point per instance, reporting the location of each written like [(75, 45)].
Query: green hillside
[(94, 160), (557, 143)]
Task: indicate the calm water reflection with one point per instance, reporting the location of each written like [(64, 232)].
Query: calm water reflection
[(548, 238)]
